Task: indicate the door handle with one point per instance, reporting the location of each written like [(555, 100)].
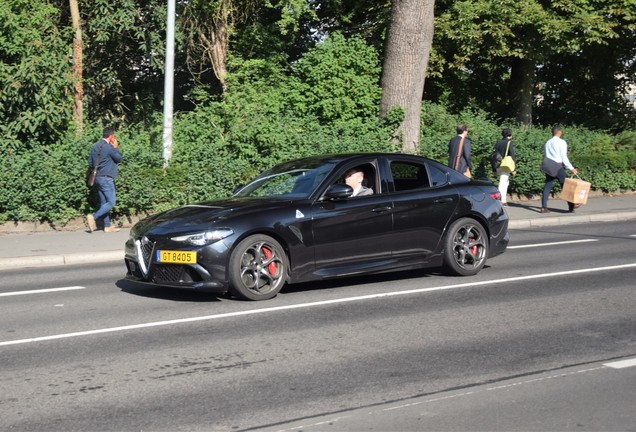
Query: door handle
[(381, 209), (443, 200)]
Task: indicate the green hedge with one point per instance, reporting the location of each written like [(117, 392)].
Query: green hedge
[(47, 183), (607, 161), (327, 104)]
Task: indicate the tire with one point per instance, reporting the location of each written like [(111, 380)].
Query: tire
[(258, 268), (466, 247)]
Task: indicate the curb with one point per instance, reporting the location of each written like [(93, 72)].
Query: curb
[(571, 219), (57, 260)]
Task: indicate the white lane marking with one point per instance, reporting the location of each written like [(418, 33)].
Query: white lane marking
[(312, 425), (479, 390), (621, 364), (41, 291), (552, 244), (314, 304)]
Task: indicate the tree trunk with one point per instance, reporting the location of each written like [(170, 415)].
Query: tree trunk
[(78, 94), (208, 30), (406, 59), (521, 90), (216, 42)]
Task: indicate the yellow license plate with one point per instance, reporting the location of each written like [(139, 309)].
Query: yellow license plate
[(176, 257)]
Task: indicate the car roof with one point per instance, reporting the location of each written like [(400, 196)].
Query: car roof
[(342, 157)]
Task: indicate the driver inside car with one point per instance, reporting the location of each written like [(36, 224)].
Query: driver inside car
[(354, 178)]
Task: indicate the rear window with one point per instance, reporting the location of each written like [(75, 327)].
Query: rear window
[(408, 176)]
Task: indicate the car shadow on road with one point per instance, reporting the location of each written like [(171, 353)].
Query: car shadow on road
[(360, 280), (191, 295), (165, 293)]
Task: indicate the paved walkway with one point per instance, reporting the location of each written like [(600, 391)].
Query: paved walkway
[(20, 250)]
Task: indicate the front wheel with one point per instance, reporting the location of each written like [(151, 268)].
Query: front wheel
[(466, 247), (258, 268)]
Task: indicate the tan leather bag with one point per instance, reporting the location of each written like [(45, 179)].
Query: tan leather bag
[(467, 173)]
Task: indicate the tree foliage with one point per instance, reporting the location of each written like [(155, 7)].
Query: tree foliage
[(35, 80), (123, 58), (496, 43)]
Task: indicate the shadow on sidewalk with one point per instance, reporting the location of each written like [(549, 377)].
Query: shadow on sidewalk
[(535, 208)]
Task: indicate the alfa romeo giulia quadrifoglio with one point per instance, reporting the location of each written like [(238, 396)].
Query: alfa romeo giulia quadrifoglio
[(323, 217)]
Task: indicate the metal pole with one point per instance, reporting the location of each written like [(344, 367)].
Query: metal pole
[(168, 86)]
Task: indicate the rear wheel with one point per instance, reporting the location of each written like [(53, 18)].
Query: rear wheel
[(258, 268), (466, 247)]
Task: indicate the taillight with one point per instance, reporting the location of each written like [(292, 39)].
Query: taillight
[(496, 196)]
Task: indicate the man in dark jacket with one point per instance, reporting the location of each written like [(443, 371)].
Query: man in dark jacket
[(105, 155), (461, 145)]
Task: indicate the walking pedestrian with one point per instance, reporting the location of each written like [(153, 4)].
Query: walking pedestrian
[(505, 147), (105, 156), (554, 164), (459, 149)]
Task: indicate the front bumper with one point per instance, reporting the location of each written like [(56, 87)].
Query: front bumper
[(206, 275)]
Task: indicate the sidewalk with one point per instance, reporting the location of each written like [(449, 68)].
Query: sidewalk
[(52, 248)]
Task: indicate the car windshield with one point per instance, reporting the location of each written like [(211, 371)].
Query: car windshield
[(289, 180)]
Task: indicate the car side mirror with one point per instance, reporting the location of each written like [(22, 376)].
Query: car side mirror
[(338, 191)]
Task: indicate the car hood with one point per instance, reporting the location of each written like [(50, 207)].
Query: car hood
[(200, 216)]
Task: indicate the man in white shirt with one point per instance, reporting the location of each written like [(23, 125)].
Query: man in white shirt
[(556, 149)]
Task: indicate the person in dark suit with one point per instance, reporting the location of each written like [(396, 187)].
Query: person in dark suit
[(354, 178), (464, 163)]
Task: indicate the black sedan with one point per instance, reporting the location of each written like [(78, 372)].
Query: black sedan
[(323, 217)]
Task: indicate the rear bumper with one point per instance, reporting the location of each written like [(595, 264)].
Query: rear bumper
[(499, 242)]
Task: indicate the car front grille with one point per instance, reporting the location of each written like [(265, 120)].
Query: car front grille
[(144, 248), (169, 273), (146, 252), (162, 273)]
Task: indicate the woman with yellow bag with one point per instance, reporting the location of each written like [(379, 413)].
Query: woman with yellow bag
[(507, 161)]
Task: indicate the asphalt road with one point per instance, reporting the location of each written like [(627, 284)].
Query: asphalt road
[(521, 346)]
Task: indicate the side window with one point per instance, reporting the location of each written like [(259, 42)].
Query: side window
[(438, 177), (407, 176)]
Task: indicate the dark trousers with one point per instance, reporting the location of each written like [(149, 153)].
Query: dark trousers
[(547, 188)]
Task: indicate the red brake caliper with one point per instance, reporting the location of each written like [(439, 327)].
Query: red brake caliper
[(473, 250), (272, 266)]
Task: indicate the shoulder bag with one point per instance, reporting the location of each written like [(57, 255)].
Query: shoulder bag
[(495, 159), (507, 163), (93, 174)]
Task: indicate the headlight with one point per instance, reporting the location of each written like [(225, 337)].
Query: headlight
[(203, 238)]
